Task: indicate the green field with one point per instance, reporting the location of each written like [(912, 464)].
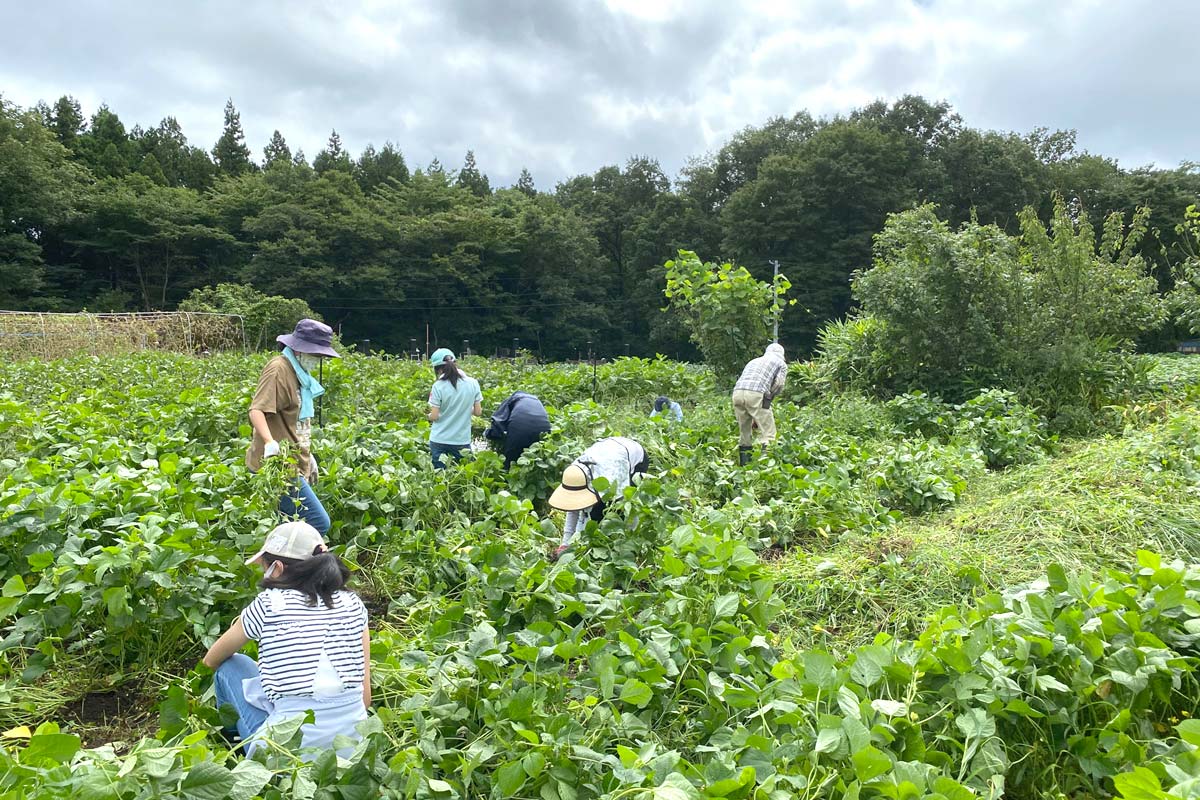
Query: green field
[(903, 599)]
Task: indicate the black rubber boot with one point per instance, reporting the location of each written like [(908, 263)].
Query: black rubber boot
[(743, 456)]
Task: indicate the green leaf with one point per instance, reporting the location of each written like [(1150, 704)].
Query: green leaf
[(40, 560), (249, 779), (14, 587), (820, 669), (207, 781), (828, 740), (1140, 784), (533, 764), (58, 748), (637, 693), (1189, 731), (726, 605), (870, 763), (439, 786), (509, 778)]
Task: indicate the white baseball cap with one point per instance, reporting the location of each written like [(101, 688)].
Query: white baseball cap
[(297, 540)]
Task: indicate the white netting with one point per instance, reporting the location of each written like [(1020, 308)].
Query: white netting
[(30, 334)]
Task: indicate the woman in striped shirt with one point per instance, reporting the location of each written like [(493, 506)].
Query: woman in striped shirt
[(314, 649)]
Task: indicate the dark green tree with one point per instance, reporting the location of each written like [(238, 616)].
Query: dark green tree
[(525, 183), (333, 157), (230, 152), (106, 147), (40, 187), (277, 151), (66, 120), (471, 179), (379, 167)]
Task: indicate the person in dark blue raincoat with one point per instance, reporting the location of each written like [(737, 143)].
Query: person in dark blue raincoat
[(518, 422)]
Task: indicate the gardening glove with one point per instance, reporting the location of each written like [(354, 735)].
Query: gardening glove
[(313, 472), (270, 449)]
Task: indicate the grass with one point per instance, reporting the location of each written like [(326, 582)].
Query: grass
[(1092, 505)]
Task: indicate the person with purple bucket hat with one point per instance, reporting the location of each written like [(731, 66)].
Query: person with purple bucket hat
[(282, 411)]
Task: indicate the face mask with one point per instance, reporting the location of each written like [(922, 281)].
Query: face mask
[(270, 573), (310, 363)]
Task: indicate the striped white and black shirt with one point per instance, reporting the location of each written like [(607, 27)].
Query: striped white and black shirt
[(292, 635)]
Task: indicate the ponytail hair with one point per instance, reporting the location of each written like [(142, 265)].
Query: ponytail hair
[(317, 577), (448, 370)]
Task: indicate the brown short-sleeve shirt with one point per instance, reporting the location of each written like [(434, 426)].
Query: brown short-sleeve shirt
[(278, 397)]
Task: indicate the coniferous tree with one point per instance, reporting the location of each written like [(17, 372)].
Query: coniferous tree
[(435, 167), (333, 157), (66, 120), (276, 151), (471, 179), (525, 183), (230, 152), (152, 169), (299, 160), (378, 167)]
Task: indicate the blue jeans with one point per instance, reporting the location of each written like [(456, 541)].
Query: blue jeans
[(227, 683), (302, 502), (455, 451)]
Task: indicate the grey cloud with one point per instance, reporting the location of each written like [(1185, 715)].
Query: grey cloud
[(564, 88)]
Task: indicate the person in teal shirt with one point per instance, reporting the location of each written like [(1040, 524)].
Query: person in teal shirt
[(453, 400)]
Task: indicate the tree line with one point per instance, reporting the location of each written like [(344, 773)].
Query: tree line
[(94, 215)]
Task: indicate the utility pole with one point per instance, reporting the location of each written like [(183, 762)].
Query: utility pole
[(592, 358), (775, 301)]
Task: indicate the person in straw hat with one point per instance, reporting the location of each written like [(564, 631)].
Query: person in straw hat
[(282, 410), (617, 459), (313, 644)]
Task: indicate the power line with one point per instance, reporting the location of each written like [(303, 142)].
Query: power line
[(472, 308)]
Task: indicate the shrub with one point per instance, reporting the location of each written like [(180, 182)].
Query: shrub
[(265, 316), (1005, 431), (1047, 314), (851, 355), (918, 476), (727, 312), (919, 413)]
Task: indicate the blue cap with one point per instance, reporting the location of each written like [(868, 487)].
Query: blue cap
[(441, 356)]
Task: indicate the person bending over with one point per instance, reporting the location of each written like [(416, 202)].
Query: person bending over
[(519, 422), (616, 458)]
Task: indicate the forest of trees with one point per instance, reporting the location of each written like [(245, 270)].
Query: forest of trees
[(94, 215)]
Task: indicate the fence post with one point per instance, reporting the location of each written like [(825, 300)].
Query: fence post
[(45, 338)]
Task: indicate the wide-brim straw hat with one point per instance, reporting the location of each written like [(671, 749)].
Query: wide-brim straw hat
[(573, 494)]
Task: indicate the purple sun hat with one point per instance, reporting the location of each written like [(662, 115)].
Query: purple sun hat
[(310, 337)]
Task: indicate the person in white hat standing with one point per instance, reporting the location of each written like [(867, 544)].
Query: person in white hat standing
[(762, 379), (314, 649), (282, 411), (617, 459), (453, 400)]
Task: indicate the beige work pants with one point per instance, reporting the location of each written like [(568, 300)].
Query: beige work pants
[(748, 408)]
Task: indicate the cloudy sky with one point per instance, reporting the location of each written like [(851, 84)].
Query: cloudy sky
[(566, 86)]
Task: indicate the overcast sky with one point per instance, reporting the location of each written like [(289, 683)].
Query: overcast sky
[(567, 86)]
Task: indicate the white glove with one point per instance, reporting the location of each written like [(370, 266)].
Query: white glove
[(314, 473), (270, 449)]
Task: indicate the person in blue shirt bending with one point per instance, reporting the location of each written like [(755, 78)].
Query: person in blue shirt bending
[(664, 404), (453, 400)]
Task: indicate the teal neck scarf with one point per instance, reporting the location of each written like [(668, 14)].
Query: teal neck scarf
[(310, 389)]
